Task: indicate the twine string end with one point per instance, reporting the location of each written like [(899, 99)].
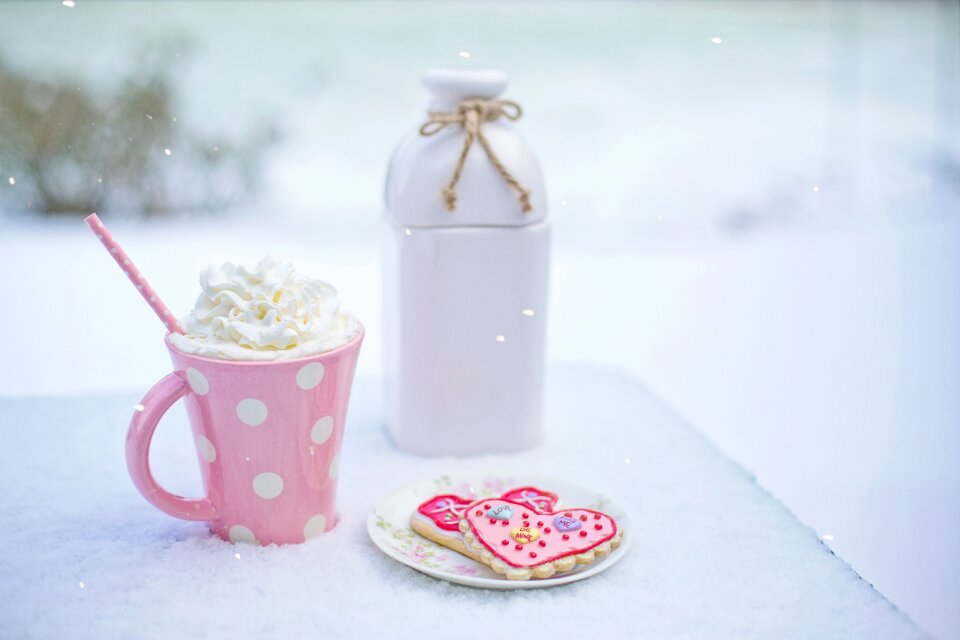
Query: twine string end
[(525, 201), (450, 197)]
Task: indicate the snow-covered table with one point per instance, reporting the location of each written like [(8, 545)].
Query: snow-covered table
[(82, 555)]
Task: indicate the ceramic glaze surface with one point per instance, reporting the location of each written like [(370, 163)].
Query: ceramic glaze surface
[(388, 525), (421, 168), (448, 86), (268, 438), (422, 165), (465, 291), (464, 338)]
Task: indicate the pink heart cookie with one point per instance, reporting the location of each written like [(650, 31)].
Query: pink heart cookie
[(528, 544), (438, 518)]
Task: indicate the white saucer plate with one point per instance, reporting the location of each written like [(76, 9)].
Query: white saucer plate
[(389, 527)]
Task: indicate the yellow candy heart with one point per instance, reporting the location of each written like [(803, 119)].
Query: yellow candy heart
[(523, 535)]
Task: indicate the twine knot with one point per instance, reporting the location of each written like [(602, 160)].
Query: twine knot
[(471, 114)]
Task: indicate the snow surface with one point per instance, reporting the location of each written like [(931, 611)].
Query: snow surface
[(813, 335), (714, 555), (826, 362)]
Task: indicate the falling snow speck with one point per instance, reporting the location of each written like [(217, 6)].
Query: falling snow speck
[(463, 54), (716, 40), (70, 4), (528, 312), (816, 189), (237, 556), (138, 407), (167, 152), (501, 338), (12, 180), (82, 585), (627, 460), (827, 537)]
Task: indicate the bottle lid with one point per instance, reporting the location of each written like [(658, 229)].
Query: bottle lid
[(448, 86), (424, 174)]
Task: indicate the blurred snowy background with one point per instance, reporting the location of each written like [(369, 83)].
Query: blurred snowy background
[(756, 207)]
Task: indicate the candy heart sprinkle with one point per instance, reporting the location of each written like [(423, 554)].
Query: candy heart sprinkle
[(500, 512), (566, 523), (525, 535)]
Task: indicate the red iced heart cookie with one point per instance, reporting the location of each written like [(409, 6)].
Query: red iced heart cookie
[(445, 510), (530, 544), (537, 499)]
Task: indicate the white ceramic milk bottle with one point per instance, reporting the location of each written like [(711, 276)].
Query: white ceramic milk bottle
[(465, 275)]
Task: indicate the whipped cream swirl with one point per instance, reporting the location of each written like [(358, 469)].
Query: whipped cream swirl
[(264, 312)]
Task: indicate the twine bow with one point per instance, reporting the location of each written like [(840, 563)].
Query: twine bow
[(471, 114)]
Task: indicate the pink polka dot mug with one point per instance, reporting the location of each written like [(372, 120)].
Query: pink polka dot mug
[(268, 437)]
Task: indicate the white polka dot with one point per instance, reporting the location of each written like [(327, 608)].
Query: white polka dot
[(335, 467), (239, 533), (113, 250), (322, 429), (205, 447), (314, 527), (251, 411), (268, 485), (309, 375), (198, 382)]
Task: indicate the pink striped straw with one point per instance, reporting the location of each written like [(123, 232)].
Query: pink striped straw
[(168, 319)]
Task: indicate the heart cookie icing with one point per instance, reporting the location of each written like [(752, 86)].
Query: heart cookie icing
[(537, 499), (444, 510), (540, 539)]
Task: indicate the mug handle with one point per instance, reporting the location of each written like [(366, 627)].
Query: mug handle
[(160, 398)]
